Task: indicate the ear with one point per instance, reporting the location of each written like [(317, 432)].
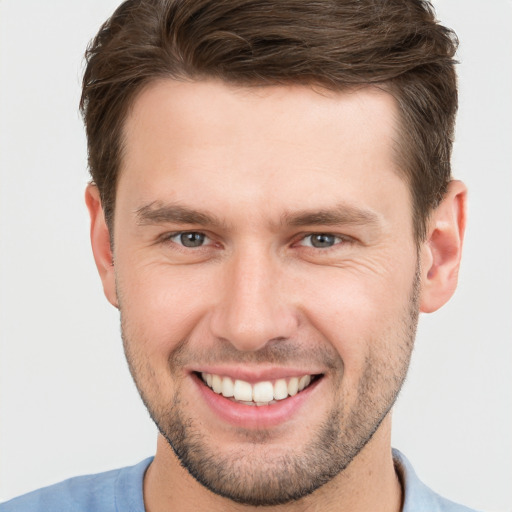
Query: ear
[(441, 252), (100, 241)]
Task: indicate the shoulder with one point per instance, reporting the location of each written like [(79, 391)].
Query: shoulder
[(119, 489), (417, 496)]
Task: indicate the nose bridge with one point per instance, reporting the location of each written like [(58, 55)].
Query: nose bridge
[(253, 309)]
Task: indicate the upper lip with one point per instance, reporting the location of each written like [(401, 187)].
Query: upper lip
[(254, 374)]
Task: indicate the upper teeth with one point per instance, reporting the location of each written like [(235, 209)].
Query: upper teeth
[(262, 393)]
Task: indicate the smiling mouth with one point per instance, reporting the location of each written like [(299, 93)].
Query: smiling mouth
[(260, 393)]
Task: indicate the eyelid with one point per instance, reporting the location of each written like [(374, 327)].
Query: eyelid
[(168, 238), (340, 239)]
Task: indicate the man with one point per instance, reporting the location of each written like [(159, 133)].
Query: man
[(271, 208)]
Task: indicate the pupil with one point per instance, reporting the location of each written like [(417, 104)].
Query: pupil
[(192, 239), (322, 240)]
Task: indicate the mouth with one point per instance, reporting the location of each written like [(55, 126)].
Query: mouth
[(257, 399), (262, 393)]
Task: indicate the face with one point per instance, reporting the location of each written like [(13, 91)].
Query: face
[(266, 274)]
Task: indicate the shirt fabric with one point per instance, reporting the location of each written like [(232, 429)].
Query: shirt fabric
[(120, 490)]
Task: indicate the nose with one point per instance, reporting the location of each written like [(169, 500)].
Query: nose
[(256, 307)]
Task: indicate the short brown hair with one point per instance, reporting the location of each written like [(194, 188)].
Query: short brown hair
[(338, 44)]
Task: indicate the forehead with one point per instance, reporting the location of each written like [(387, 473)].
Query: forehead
[(211, 110), (290, 146)]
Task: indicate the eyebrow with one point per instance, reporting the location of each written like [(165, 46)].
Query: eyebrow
[(158, 213), (341, 214)]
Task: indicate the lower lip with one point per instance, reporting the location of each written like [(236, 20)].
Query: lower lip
[(253, 416)]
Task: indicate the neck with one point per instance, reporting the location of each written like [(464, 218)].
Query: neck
[(369, 483)]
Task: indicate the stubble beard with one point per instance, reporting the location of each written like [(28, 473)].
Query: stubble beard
[(259, 476)]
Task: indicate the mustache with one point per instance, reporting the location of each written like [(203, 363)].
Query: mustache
[(276, 352)]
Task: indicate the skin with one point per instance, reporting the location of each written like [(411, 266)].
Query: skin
[(260, 165)]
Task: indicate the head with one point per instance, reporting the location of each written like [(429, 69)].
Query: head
[(272, 204)]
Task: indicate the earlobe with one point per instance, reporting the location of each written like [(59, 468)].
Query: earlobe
[(441, 252), (100, 241)]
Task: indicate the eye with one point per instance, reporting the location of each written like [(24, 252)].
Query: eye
[(189, 239), (320, 240)]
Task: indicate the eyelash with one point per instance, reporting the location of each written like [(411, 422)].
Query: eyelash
[(339, 239), (168, 239)]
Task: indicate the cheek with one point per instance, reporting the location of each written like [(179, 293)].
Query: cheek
[(361, 315), (161, 305)]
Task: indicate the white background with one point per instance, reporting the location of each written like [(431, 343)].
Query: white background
[(67, 403)]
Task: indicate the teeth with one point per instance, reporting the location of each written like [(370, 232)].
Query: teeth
[(217, 384), (228, 388), (280, 389), (242, 391), (304, 382), (293, 386), (261, 393)]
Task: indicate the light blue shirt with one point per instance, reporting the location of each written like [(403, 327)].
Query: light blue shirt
[(120, 490), (417, 496)]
